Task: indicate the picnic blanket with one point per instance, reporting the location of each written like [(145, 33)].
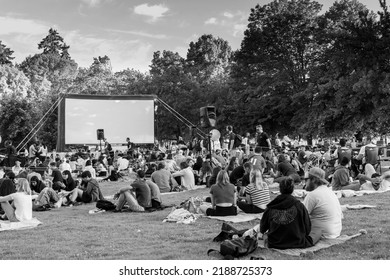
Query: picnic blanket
[(7, 225), (240, 218), (322, 244)]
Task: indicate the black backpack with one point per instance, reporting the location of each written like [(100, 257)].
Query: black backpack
[(105, 205), (238, 247)]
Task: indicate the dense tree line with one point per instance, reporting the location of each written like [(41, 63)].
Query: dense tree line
[(298, 71)]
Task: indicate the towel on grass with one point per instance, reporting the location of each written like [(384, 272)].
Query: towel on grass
[(322, 244), (7, 225), (345, 207)]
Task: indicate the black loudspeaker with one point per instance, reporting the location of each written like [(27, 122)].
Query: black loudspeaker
[(208, 116), (100, 134)]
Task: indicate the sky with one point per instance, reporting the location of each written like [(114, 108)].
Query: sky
[(127, 31)]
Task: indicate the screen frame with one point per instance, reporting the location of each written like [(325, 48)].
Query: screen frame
[(61, 145)]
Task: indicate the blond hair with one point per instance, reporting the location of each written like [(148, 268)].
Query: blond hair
[(223, 178), (23, 186), (256, 179)]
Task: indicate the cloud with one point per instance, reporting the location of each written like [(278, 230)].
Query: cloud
[(235, 22), (139, 33), (22, 26), (155, 12), (122, 53), (91, 3), (212, 20), (238, 29), (228, 15)]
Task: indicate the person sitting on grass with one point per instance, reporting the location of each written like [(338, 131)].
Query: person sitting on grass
[(57, 177), (223, 197), (286, 222), (69, 182), (21, 208), (205, 173), (284, 169), (7, 184), (140, 200), (376, 182), (47, 198), (323, 206), (89, 193), (163, 178), (155, 194), (17, 168), (256, 194), (89, 167), (36, 185), (187, 179), (341, 177)]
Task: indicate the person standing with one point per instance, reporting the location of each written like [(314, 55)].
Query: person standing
[(263, 141), (32, 151), (245, 143), (10, 151), (323, 206)]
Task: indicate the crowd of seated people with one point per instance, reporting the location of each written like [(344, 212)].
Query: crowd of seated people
[(236, 180)]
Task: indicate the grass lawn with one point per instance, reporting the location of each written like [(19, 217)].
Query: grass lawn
[(72, 233)]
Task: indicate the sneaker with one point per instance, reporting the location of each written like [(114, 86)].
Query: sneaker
[(70, 203)]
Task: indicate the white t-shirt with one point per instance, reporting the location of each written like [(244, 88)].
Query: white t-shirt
[(91, 170), (23, 206), (324, 209), (187, 178)]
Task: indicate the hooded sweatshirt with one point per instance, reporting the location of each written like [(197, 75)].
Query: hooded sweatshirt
[(287, 222)]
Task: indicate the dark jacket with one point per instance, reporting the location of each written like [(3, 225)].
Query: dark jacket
[(287, 222), (340, 177), (94, 191)]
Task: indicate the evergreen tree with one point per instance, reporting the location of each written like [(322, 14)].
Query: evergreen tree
[(5, 54)]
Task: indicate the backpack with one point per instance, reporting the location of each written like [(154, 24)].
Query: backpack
[(105, 205), (237, 140), (238, 247)]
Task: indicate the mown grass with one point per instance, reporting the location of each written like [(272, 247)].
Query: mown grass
[(72, 233)]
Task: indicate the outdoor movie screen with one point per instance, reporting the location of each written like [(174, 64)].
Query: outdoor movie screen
[(120, 117)]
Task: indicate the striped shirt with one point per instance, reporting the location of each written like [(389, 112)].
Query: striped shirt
[(258, 197)]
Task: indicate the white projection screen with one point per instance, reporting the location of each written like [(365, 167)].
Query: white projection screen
[(80, 116)]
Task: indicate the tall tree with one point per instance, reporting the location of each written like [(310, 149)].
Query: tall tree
[(53, 43), (209, 58), (16, 114), (131, 82), (274, 61), (98, 79), (5, 54), (346, 86), (178, 89)]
